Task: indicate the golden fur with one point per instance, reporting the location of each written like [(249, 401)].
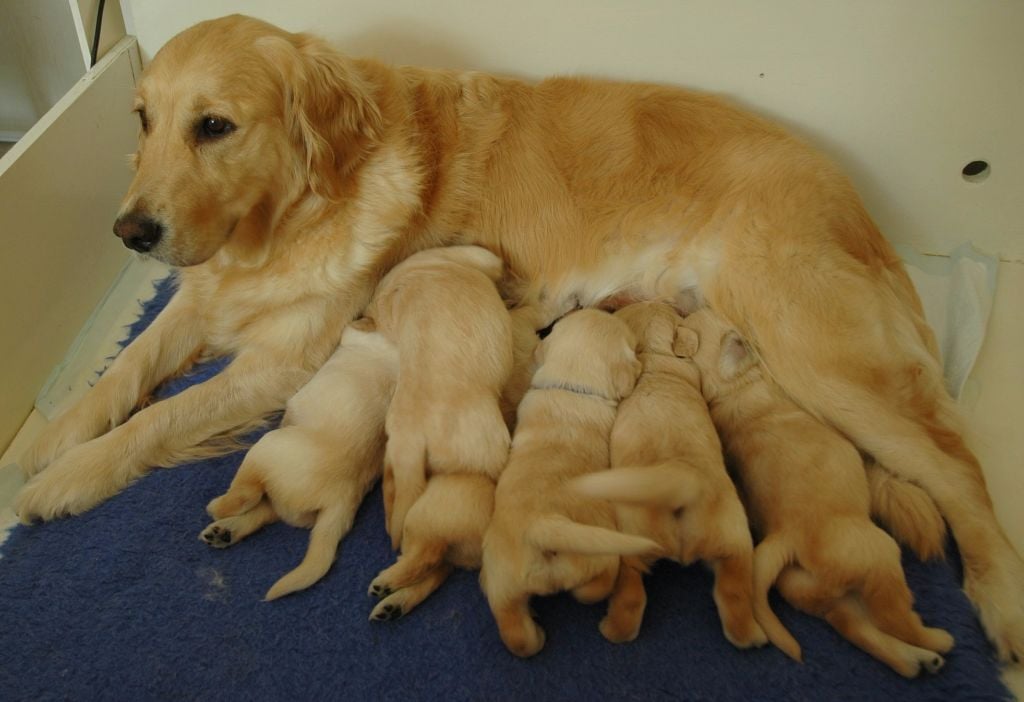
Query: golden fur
[(447, 438), (668, 481), (314, 471), (337, 168), (807, 496), (544, 537)]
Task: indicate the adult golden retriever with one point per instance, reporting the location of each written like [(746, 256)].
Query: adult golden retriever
[(284, 179)]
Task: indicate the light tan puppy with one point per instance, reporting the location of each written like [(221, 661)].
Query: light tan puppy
[(314, 471), (668, 481), (285, 178), (447, 438), (544, 537), (441, 308), (807, 496)]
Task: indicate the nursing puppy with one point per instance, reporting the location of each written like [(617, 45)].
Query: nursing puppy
[(447, 438), (314, 471), (544, 537), (808, 498), (441, 308), (284, 178), (668, 481)]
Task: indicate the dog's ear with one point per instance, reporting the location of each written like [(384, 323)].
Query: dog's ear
[(736, 356), (329, 108), (559, 534), (624, 375), (673, 485), (685, 342)]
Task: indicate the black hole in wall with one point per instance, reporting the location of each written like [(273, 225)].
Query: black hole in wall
[(975, 170)]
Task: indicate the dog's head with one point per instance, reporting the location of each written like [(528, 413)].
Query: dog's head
[(239, 117), (589, 349), (722, 355), (659, 329)]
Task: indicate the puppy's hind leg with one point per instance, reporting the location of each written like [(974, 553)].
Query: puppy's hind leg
[(400, 603), (734, 597), (230, 530), (626, 605), (412, 566), (518, 631)]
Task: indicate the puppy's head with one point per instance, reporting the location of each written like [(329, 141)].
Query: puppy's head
[(659, 329), (589, 349), (722, 355), (237, 115)]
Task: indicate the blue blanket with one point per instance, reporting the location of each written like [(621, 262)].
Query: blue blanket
[(126, 603)]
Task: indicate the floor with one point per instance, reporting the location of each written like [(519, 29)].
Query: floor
[(992, 402)]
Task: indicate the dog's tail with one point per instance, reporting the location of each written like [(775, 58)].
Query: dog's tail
[(331, 525), (673, 484), (906, 511), (558, 533), (770, 557)]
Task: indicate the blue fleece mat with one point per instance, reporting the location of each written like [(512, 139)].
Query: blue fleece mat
[(126, 603)]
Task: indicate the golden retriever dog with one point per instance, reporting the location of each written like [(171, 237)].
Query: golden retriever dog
[(807, 496), (447, 438), (442, 310), (285, 178), (668, 480), (544, 537), (314, 471)]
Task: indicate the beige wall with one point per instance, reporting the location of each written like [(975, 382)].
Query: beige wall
[(902, 92)]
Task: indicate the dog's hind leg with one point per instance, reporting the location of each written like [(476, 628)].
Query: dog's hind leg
[(598, 588), (734, 597), (626, 605), (520, 634), (230, 530), (403, 601), (412, 566)]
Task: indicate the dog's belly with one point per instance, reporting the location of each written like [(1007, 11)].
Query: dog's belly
[(670, 270)]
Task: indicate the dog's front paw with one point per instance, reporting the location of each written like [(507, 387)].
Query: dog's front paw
[(217, 535), (999, 599), (69, 430), (77, 481)]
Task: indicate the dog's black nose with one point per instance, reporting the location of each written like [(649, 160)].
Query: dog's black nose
[(138, 231)]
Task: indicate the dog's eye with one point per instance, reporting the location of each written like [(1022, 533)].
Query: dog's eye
[(143, 120), (214, 128)]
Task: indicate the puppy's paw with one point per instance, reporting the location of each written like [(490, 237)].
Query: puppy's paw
[(386, 611), (217, 535), (378, 590), (77, 481), (617, 630)]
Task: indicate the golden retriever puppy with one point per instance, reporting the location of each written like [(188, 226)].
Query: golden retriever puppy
[(442, 310), (285, 178), (807, 496), (544, 537), (668, 481), (314, 471)]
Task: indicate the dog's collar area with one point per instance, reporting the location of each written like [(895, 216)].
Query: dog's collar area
[(576, 389)]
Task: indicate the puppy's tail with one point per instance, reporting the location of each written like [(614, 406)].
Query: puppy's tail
[(558, 533), (331, 525), (672, 484), (906, 511), (770, 557)]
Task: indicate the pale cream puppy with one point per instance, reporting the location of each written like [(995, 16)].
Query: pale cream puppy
[(668, 481), (544, 537), (447, 437), (808, 498), (441, 308), (314, 471)]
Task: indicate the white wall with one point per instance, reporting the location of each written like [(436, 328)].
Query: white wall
[(902, 92)]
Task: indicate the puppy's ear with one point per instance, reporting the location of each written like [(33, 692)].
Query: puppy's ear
[(557, 533), (736, 356), (624, 376), (328, 108), (685, 342)]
